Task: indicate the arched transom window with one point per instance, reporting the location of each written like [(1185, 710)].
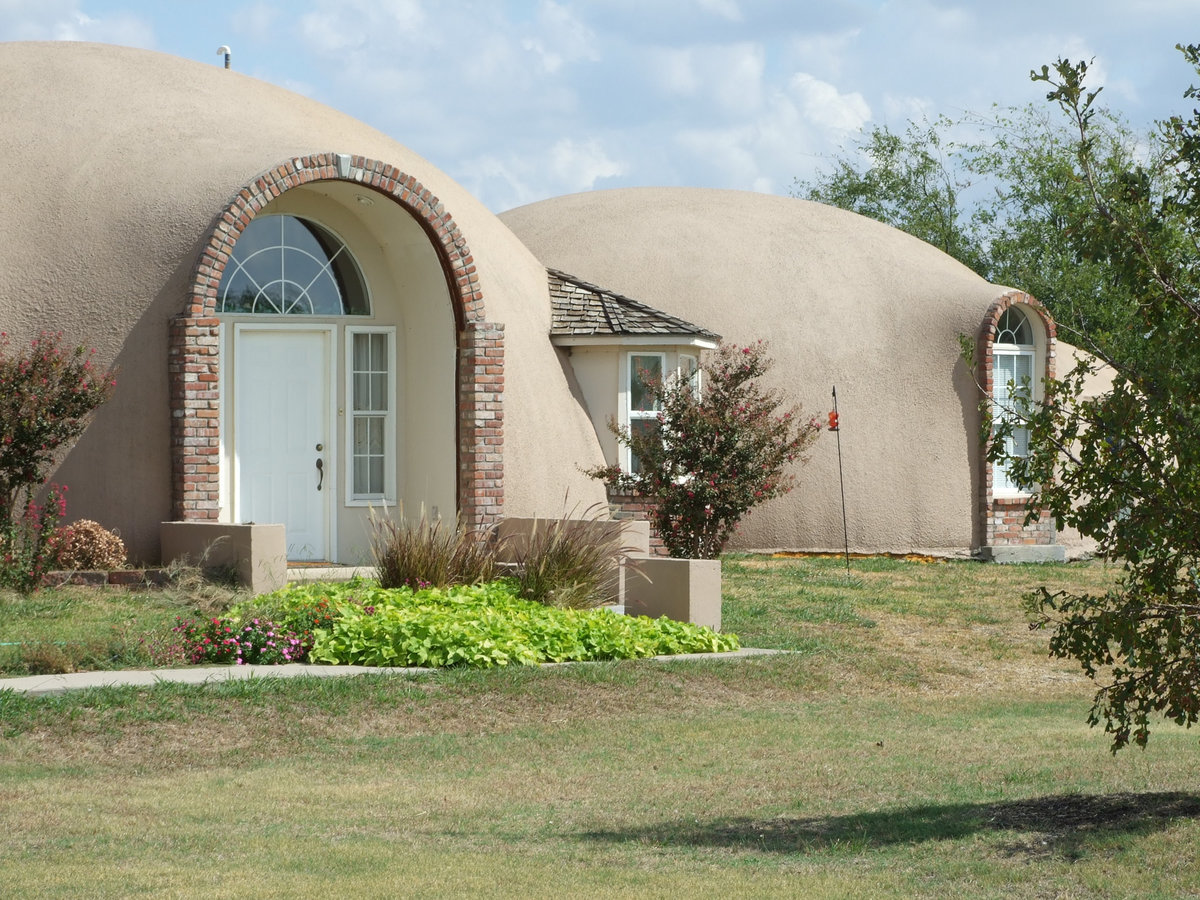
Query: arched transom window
[(284, 265)]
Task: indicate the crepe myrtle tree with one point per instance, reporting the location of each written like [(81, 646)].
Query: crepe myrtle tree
[(712, 457), (1124, 467), (47, 394)]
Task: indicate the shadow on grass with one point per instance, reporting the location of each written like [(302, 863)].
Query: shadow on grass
[(1063, 825)]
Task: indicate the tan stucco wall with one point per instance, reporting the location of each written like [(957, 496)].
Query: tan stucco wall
[(1097, 383), (843, 300), (596, 370), (117, 162)]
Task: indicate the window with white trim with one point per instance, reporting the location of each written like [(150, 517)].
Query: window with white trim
[(1013, 384), (370, 384), (642, 406), (689, 368)]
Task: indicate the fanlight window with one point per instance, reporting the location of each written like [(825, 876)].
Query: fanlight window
[(1013, 328), (282, 265)]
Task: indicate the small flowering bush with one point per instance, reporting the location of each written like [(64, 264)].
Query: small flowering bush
[(28, 545), (715, 457), (47, 394), (224, 640)]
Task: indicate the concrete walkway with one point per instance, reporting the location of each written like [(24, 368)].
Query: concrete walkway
[(77, 681)]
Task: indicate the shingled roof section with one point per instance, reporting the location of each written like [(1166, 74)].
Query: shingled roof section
[(581, 309)]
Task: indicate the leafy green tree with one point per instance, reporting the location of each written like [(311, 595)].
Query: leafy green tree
[(998, 193), (1124, 467), (912, 182), (715, 456)]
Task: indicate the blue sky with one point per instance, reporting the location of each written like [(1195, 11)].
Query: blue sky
[(524, 99)]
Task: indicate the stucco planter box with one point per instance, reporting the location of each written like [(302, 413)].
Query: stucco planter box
[(256, 553), (687, 590)]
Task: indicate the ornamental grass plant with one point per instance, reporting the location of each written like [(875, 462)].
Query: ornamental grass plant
[(424, 552), (573, 563)]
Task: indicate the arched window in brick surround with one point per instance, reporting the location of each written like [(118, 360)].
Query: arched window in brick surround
[(193, 353), (1017, 341)]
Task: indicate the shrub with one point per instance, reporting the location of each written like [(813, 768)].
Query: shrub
[(88, 545), (570, 563), (299, 611), (46, 396), (224, 640), (411, 554), (27, 545), (715, 457)]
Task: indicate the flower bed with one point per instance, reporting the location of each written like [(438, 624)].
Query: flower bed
[(481, 625)]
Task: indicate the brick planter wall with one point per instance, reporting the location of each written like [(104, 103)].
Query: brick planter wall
[(635, 506), (193, 354)]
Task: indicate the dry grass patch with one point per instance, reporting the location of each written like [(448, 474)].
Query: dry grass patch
[(919, 744)]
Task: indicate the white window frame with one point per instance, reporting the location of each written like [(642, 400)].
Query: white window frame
[(388, 496), (628, 415), (1002, 483), (693, 374)]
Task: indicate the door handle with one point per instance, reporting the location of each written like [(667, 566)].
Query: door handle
[(320, 472)]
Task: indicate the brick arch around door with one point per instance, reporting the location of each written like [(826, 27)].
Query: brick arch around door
[(194, 359)]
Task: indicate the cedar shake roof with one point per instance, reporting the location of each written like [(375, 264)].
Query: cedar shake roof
[(580, 309)]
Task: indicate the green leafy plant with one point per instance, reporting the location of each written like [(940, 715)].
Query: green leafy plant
[(488, 625), (424, 552), (713, 457)]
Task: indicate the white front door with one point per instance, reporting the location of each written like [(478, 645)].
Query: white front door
[(281, 435)]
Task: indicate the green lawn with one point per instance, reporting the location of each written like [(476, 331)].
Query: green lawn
[(917, 743)]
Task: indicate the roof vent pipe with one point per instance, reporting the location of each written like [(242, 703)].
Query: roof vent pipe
[(228, 54)]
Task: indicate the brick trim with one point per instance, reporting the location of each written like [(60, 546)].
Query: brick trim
[(636, 506), (1004, 517), (193, 351)]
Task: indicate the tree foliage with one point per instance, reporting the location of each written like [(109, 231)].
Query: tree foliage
[(912, 183), (713, 457), (1124, 467), (998, 193)]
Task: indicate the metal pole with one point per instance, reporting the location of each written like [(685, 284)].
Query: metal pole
[(836, 428)]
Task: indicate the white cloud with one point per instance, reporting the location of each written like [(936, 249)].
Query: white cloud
[(579, 165), (65, 20), (534, 173), (725, 9), (562, 38), (821, 103), (731, 75), (256, 19)]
